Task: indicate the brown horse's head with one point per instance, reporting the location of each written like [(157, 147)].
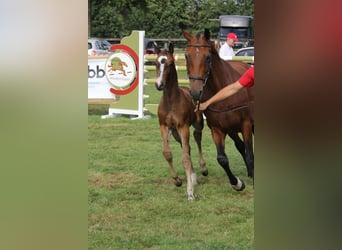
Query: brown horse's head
[(198, 61), (164, 63)]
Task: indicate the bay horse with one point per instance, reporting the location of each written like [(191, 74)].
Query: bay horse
[(207, 74), (176, 115)]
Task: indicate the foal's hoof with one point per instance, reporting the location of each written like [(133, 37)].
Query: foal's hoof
[(205, 172), (178, 182), (240, 185), (191, 197)]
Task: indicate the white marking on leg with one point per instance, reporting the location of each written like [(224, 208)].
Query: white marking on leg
[(190, 188), (238, 185), (194, 178), (191, 196)]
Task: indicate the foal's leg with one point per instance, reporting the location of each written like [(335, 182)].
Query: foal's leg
[(219, 139), (165, 133), (184, 133), (198, 127)]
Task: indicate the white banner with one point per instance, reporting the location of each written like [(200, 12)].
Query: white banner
[(98, 85)]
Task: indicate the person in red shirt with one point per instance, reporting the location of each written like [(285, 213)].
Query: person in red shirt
[(245, 81)]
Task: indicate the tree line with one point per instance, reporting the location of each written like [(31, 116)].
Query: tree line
[(160, 18)]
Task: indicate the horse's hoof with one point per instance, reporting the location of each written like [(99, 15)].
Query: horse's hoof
[(205, 172), (240, 185), (178, 182)]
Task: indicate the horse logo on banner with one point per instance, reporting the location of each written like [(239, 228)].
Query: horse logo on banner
[(121, 68)]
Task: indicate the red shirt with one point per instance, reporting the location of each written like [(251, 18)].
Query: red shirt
[(247, 79)]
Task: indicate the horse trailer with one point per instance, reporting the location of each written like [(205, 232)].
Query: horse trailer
[(242, 26)]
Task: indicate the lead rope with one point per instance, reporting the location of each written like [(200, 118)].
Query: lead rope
[(198, 104), (231, 109)]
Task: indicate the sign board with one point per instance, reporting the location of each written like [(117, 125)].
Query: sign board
[(98, 86), (119, 77)]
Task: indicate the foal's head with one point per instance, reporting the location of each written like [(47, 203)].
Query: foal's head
[(165, 67), (198, 55)]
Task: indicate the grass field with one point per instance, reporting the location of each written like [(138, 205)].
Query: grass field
[(133, 203)]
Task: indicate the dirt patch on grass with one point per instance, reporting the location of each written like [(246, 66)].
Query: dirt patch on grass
[(162, 182), (109, 181)]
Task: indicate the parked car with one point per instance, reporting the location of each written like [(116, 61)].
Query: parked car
[(248, 51), (97, 46), (149, 48)]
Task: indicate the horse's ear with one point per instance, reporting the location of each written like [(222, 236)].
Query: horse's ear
[(186, 35), (156, 49), (171, 48), (207, 34), (182, 25)]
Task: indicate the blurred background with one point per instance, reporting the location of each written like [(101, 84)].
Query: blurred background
[(43, 100)]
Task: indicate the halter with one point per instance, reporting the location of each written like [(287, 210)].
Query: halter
[(206, 75)]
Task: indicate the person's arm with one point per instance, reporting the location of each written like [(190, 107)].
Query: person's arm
[(246, 80), (226, 58), (224, 93), (222, 52)]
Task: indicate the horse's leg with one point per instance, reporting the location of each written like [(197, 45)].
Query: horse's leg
[(247, 130), (239, 144), (219, 139), (198, 127), (165, 133), (177, 137), (184, 133)]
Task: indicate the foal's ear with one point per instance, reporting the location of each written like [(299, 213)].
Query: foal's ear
[(156, 49), (207, 34), (171, 48)]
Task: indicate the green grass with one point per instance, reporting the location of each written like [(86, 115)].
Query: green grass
[(133, 203)]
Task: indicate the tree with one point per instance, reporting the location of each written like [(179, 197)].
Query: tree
[(159, 18), (112, 17)]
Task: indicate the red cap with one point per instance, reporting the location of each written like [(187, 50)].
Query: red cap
[(232, 36)]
